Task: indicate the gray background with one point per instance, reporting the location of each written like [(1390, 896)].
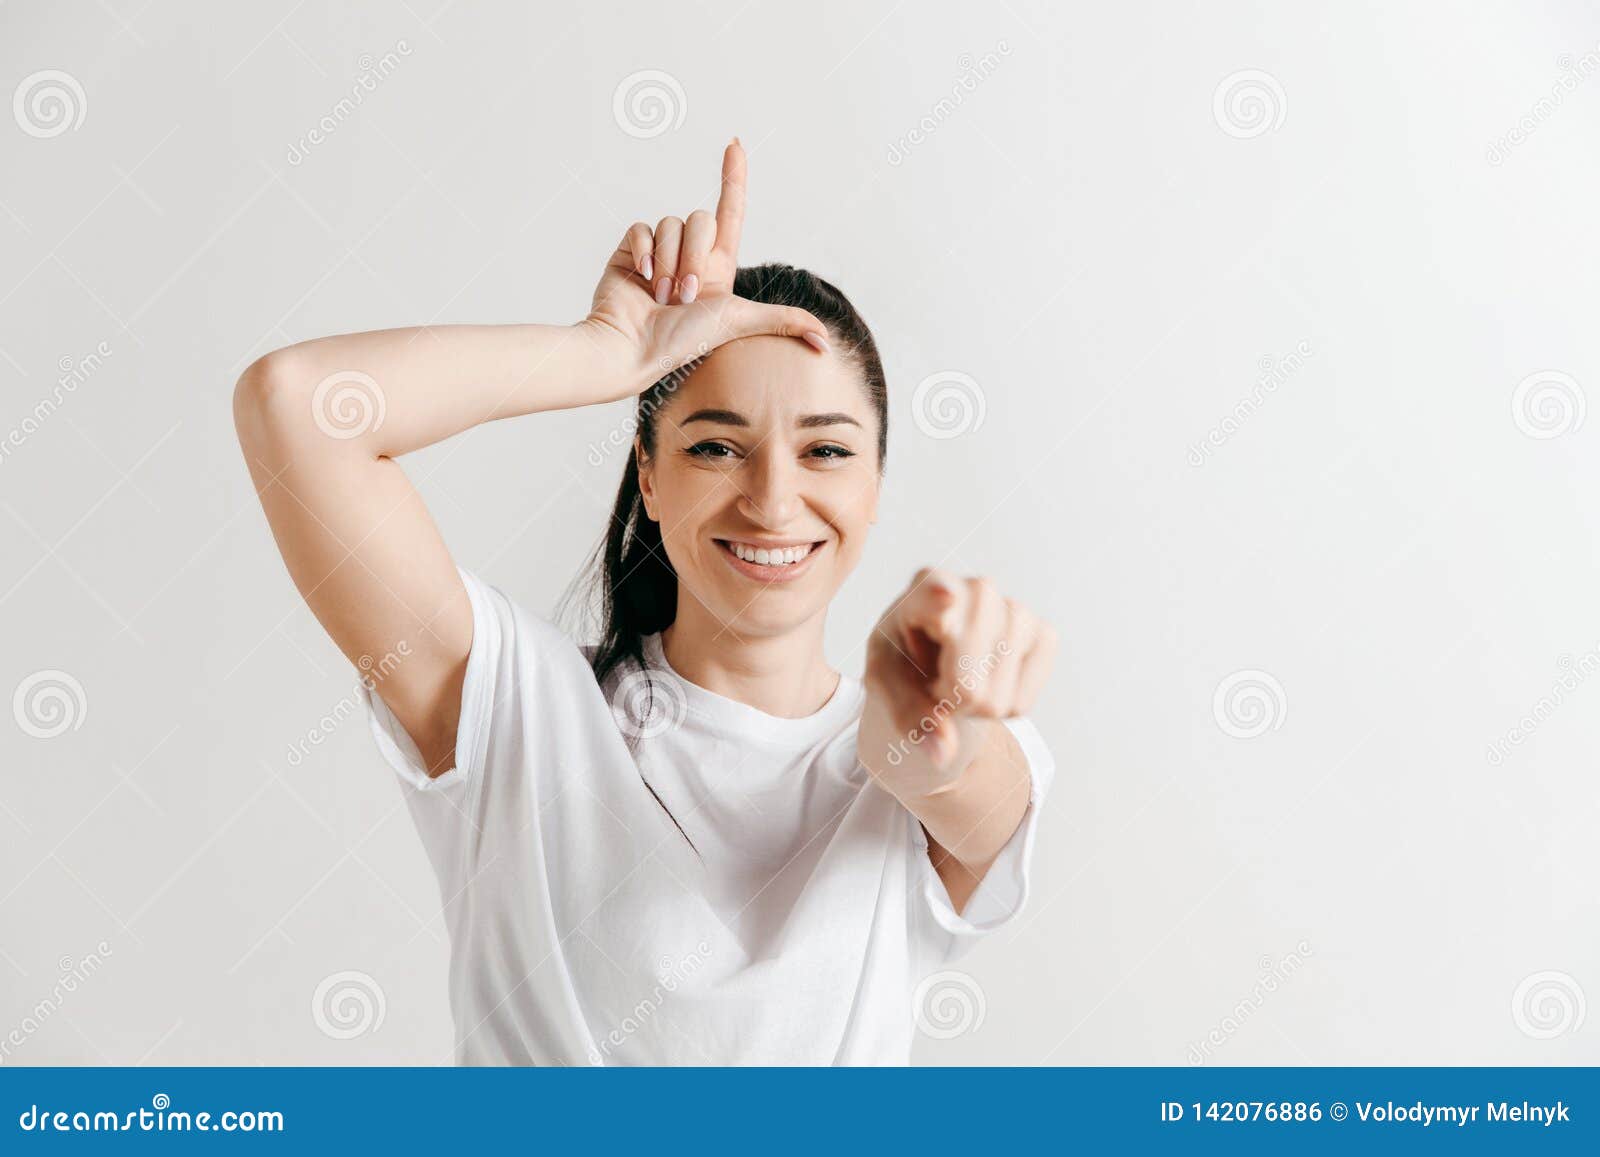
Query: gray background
[(1399, 537)]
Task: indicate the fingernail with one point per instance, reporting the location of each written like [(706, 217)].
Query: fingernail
[(648, 268), (691, 286), (816, 340), (736, 141), (663, 290)]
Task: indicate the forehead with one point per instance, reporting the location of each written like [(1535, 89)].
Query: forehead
[(772, 379)]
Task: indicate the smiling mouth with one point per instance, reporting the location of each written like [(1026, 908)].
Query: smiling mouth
[(774, 563)]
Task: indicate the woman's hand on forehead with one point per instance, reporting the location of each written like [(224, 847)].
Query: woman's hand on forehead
[(667, 292)]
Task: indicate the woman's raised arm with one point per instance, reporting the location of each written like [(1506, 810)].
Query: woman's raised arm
[(321, 423)]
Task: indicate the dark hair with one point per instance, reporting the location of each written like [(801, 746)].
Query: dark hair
[(638, 589)]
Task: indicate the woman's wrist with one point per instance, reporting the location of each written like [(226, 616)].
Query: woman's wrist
[(621, 369)]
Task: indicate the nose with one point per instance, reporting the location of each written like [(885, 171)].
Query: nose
[(770, 490)]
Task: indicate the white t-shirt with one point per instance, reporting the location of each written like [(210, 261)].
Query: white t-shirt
[(584, 929)]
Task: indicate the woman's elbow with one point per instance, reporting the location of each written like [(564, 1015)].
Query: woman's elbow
[(270, 399)]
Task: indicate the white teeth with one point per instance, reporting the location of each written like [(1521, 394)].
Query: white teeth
[(785, 556)]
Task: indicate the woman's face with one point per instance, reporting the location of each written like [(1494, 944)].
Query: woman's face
[(766, 446)]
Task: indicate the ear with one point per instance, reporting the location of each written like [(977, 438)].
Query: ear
[(647, 480)]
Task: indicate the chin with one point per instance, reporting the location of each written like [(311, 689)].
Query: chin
[(768, 613), (759, 610)]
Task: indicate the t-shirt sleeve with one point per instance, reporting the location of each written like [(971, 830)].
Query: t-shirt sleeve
[(1003, 891), (487, 677), (508, 692)]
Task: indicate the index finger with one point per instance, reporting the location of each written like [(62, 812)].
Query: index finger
[(934, 604), (730, 204)]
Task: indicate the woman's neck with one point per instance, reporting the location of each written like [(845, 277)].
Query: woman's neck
[(785, 675)]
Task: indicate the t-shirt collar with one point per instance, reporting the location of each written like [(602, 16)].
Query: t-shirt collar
[(747, 722)]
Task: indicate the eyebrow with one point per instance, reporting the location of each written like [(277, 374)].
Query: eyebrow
[(804, 422)]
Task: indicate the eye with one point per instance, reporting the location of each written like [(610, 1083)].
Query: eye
[(712, 450), (722, 452)]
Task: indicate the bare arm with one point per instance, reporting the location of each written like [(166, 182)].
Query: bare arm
[(947, 663), (969, 817), (979, 815), (321, 422), (355, 536)]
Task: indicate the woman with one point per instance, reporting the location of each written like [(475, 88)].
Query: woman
[(694, 841)]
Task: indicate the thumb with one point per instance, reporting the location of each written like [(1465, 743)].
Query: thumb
[(747, 318)]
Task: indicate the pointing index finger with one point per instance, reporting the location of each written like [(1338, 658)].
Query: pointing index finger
[(935, 605), (730, 204)]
